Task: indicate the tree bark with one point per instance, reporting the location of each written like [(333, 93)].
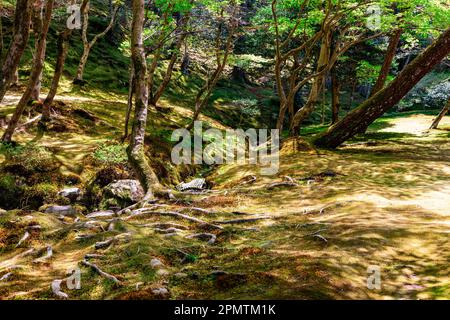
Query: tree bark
[(440, 116), (20, 38), (388, 97), (63, 47), (308, 108), (38, 64), (87, 45), (136, 148), (390, 55), (37, 17), (335, 102)]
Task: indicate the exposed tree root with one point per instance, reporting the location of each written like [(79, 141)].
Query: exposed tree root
[(204, 236), (23, 239), (6, 276), (101, 272), (183, 216), (48, 255), (237, 221)]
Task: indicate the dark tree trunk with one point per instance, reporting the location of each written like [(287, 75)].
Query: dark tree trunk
[(387, 98), (63, 47), (390, 55), (36, 20), (22, 31), (335, 102), (38, 64), (440, 116)]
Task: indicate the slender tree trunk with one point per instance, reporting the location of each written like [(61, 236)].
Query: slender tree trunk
[(310, 104), (87, 45), (390, 55), (63, 47), (136, 148), (15, 78), (130, 103), (440, 116), (82, 64), (38, 11), (388, 97), (38, 64), (62, 50), (335, 102), (20, 38)]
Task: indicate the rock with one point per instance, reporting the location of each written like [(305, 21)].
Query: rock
[(101, 214), (2, 211), (70, 193), (180, 275), (162, 272), (161, 292), (156, 263), (196, 185), (217, 273), (61, 210), (125, 190)]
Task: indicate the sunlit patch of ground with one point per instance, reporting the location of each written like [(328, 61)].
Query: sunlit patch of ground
[(387, 206)]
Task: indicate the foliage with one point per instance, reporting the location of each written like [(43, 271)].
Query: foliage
[(31, 156), (111, 154)]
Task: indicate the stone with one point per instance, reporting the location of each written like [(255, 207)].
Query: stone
[(101, 214), (180, 275), (125, 190), (2, 211), (61, 210), (162, 272), (156, 263), (70, 193), (195, 185), (161, 292), (218, 273)]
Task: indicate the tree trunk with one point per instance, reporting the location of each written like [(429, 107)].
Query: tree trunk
[(310, 104), (388, 97), (130, 103), (335, 102), (38, 11), (136, 148), (87, 45), (22, 31), (390, 55), (63, 47), (82, 64), (38, 64), (440, 116)]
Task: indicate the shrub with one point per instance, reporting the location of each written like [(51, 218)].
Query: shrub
[(30, 156), (111, 154)]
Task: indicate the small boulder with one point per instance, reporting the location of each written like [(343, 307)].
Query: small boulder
[(161, 292), (61, 210), (125, 190), (194, 185), (2, 211), (162, 272), (70, 193), (156, 263), (101, 214), (180, 275)]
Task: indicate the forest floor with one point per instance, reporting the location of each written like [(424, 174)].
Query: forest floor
[(382, 200)]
